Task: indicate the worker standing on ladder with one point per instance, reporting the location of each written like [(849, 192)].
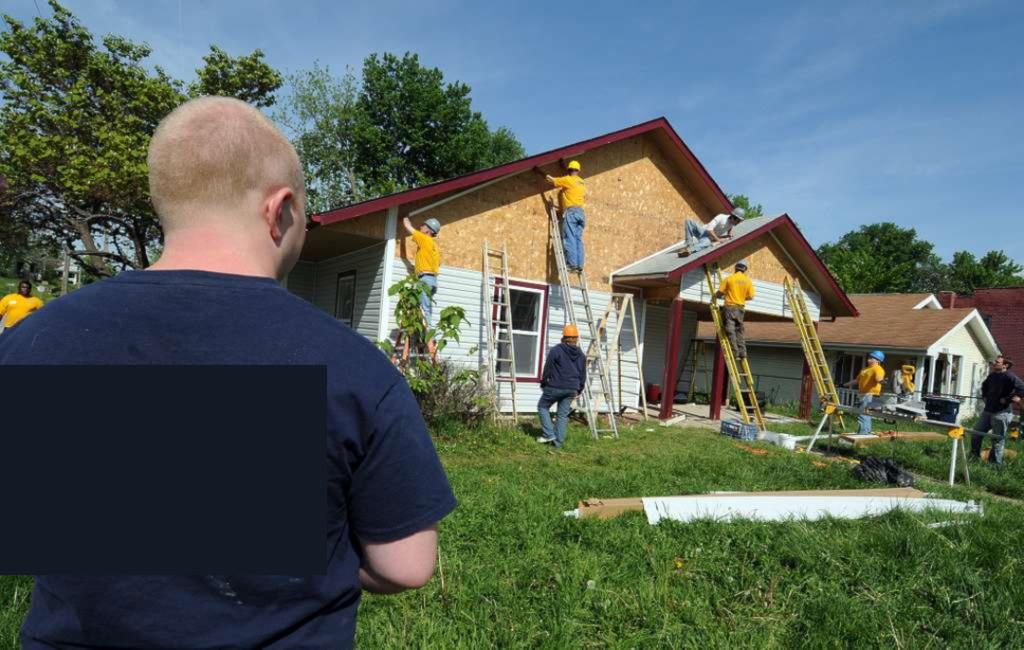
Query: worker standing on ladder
[(869, 384), (737, 289), (573, 219), (428, 260), (563, 380)]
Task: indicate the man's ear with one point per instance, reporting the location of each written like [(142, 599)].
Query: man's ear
[(277, 213)]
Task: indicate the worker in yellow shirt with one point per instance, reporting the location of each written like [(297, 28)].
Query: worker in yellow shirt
[(428, 260), (869, 384), (16, 306), (571, 194), (737, 289)]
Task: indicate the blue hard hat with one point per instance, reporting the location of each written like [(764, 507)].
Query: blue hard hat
[(433, 224), (878, 355)]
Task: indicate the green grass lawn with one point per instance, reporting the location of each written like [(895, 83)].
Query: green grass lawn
[(517, 573)]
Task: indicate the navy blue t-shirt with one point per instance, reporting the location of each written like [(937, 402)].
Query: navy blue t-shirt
[(385, 481)]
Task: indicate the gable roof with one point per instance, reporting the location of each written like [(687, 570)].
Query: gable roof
[(659, 127), (667, 265), (887, 321)]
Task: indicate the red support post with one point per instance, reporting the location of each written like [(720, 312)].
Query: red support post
[(806, 389), (671, 371), (717, 382)]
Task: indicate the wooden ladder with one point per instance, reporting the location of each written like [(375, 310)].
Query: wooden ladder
[(595, 351), (813, 352), (497, 308), (621, 306), (739, 374)]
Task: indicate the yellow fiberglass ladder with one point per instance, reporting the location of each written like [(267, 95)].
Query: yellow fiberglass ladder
[(739, 375), (595, 351), (497, 308), (813, 352)]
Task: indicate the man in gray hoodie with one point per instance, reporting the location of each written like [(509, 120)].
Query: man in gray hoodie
[(563, 379)]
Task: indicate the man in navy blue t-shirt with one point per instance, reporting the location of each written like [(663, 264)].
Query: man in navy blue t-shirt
[(229, 192)]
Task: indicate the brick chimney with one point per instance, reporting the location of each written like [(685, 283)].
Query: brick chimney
[(947, 299)]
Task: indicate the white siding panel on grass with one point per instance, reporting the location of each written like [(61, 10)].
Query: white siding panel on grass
[(368, 264), (769, 297), (463, 288), (302, 280)]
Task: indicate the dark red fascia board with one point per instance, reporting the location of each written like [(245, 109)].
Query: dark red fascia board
[(474, 178), (787, 222)]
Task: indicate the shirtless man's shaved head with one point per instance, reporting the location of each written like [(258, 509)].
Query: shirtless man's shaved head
[(228, 188)]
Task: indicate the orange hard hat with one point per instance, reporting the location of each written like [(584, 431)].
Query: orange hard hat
[(570, 330)]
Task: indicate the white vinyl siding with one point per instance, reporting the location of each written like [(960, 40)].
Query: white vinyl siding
[(302, 280), (368, 266), (769, 298)]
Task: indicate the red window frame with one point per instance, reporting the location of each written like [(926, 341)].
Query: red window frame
[(536, 288)]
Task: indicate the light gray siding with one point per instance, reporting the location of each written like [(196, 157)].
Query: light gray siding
[(770, 297), (776, 371), (302, 280), (368, 266), (655, 338)]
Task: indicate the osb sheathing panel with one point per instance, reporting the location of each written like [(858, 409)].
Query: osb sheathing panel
[(767, 260), (636, 204)]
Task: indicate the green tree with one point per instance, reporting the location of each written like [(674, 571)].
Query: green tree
[(995, 269), (76, 118), (752, 209), (413, 128), (880, 258)]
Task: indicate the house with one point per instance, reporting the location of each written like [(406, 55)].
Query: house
[(642, 182), (950, 348), (1002, 310)]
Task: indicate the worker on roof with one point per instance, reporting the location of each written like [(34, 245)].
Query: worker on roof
[(563, 379), (427, 262), (701, 236), (15, 307), (571, 191), (1000, 390), (736, 289), (869, 384)]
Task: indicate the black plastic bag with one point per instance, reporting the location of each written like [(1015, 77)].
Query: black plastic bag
[(875, 470)]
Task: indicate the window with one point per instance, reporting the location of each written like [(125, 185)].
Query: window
[(529, 308), (345, 298)]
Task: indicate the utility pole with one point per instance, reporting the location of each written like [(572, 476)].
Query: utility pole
[(64, 278)]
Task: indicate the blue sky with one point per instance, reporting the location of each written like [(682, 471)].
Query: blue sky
[(840, 114)]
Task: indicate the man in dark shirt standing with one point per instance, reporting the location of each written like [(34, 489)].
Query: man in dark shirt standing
[(1000, 390), (228, 189), (563, 380)]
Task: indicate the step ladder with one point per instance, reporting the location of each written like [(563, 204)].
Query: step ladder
[(596, 365), (813, 352), (497, 309), (739, 374), (620, 305)]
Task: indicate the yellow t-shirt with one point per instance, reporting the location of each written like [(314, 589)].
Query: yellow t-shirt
[(16, 307), (737, 289), (869, 381), (572, 191), (428, 255)]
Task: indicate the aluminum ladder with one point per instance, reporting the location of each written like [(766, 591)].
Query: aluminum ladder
[(497, 311), (813, 352), (739, 375), (595, 351)]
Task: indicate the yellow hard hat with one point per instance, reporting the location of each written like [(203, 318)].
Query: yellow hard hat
[(574, 164), (570, 330)]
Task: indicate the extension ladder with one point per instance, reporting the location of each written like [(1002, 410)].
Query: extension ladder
[(595, 354), (739, 375), (813, 352), (497, 308)]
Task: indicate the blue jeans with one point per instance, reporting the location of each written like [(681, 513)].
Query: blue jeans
[(696, 238), (573, 222), (864, 421), (563, 397), (427, 296), (997, 424)]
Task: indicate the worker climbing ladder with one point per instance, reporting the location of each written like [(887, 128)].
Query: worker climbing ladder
[(813, 352), (739, 374), (595, 353), (497, 311), (620, 305)]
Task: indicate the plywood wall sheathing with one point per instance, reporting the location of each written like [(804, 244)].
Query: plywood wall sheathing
[(637, 203)]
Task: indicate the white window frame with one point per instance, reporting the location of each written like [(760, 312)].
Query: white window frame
[(346, 276), (534, 373)]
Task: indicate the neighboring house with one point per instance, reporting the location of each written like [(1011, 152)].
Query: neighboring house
[(642, 184), (950, 348), (1003, 312)]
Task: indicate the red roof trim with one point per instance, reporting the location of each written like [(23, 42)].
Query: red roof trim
[(783, 220), (468, 180)]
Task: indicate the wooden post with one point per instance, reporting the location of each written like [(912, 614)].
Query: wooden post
[(671, 370), (717, 382)]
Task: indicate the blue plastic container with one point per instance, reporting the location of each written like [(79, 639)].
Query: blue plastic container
[(736, 429)]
